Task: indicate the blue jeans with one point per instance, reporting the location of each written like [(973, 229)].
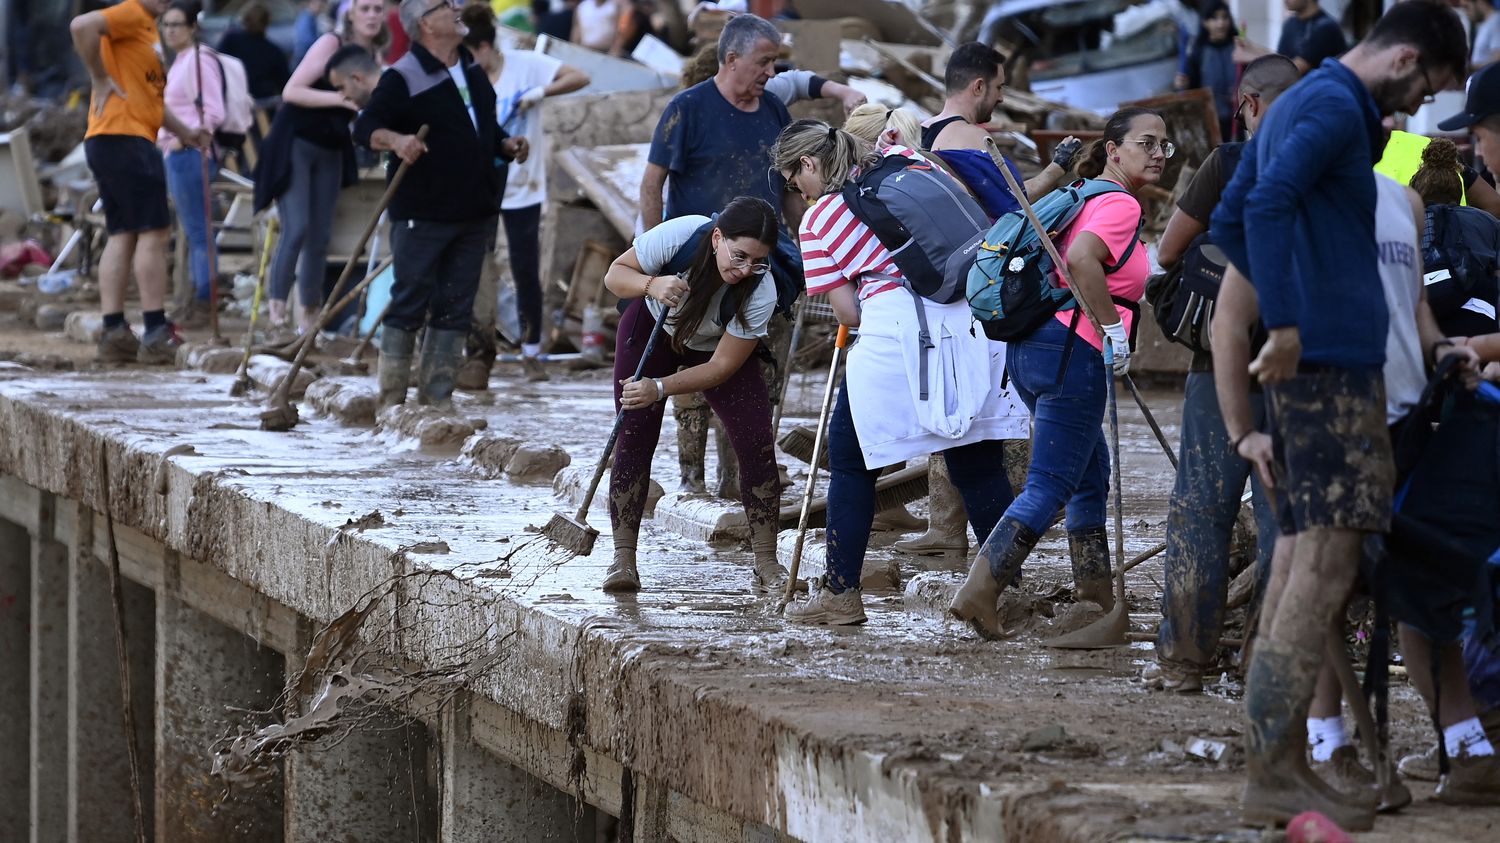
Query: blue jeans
[(1063, 385), (977, 471), (185, 181), (1200, 521)]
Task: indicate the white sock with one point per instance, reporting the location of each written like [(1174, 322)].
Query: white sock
[(1325, 734), (531, 349), (1467, 738)]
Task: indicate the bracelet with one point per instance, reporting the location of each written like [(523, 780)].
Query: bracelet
[(661, 389), (1235, 446), (647, 292)]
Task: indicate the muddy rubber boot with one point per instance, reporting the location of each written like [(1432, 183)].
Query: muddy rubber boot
[(1279, 786), (729, 463), (394, 371), (1093, 578), (996, 565), (947, 522), (691, 414), (439, 366), (622, 575)]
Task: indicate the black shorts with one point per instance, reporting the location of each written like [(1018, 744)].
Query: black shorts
[(132, 182), (1331, 451)]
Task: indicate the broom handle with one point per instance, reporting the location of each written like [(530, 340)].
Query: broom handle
[(791, 355), (812, 471), (1161, 437), (272, 225), (614, 432)]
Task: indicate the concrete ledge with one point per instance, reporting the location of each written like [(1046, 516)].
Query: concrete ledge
[(350, 400), (703, 518), (209, 359)]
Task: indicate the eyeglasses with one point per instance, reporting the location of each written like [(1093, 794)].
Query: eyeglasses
[(1151, 145), (743, 264), (1431, 96), (446, 4), (1239, 113)]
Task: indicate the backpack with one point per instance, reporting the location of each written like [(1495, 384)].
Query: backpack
[(682, 260), (1455, 271), (923, 217), (1182, 298), (1010, 282), (239, 106)]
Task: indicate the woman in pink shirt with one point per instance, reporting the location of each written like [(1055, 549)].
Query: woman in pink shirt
[(1059, 373), (195, 63)]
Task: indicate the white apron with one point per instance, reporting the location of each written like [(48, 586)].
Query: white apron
[(965, 403)]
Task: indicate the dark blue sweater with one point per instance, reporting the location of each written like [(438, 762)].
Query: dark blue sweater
[(1298, 219)]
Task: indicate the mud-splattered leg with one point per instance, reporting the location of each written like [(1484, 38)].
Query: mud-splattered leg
[(691, 413), (745, 408)]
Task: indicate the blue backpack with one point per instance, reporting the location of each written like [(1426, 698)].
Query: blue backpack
[(1010, 288)]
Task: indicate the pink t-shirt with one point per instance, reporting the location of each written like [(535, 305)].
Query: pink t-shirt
[(1114, 218), (181, 94)]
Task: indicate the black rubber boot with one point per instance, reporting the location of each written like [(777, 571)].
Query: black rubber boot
[(1280, 785), (1093, 576), (996, 565), (396, 346), (435, 376)]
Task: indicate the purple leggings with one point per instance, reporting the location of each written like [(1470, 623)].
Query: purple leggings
[(741, 403)]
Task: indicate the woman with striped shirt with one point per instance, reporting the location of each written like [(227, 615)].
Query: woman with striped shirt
[(879, 418)]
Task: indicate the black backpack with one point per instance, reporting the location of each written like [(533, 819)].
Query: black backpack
[(1456, 272), (1182, 298)]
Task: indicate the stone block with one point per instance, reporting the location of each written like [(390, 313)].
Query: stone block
[(930, 592), (573, 481), (211, 359), (84, 327), (267, 372), (52, 317), (702, 518), (534, 463), (433, 429), (351, 400), (489, 454)]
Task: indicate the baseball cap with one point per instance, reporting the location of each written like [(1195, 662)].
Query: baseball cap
[(1482, 100)]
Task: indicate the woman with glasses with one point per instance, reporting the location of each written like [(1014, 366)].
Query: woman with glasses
[(881, 417), (710, 276), (1059, 372)]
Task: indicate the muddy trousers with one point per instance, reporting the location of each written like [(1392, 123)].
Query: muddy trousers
[(977, 470), (1200, 522), (741, 402), (437, 272), (1069, 458)]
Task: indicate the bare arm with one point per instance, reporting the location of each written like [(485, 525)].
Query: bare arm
[(1044, 182), (1181, 231), (652, 182), (299, 89), (845, 303), (1482, 196), (1087, 257), (87, 31), (567, 80), (1235, 314)]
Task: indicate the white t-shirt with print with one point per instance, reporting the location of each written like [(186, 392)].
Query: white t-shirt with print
[(655, 249), (525, 184), (462, 81)]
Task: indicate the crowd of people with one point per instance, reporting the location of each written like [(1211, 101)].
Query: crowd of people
[(1353, 323)]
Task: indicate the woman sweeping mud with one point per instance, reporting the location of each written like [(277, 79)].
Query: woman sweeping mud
[(880, 418), (1059, 372), (710, 276)]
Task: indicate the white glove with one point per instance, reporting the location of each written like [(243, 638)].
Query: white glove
[(532, 96), (1119, 346)]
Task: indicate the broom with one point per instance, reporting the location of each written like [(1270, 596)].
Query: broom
[(573, 532)]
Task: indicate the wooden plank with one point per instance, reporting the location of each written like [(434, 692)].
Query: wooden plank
[(585, 166)]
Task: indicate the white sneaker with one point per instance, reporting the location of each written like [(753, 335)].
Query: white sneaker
[(822, 606)]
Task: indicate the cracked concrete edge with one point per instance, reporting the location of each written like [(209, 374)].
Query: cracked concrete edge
[(637, 705)]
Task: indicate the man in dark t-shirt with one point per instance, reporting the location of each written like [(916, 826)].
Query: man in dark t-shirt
[(1308, 36)]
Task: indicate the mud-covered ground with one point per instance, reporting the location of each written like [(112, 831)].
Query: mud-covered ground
[(926, 693)]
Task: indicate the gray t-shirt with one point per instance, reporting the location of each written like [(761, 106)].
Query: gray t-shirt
[(655, 249)]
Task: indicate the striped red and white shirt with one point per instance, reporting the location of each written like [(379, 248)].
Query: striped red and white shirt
[(837, 248)]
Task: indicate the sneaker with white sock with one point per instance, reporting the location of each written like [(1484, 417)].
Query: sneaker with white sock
[(822, 606)]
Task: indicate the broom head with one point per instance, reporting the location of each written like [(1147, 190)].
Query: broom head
[(573, 535)]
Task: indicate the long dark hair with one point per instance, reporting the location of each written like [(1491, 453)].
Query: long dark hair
[(745, 216), (1115, 131)]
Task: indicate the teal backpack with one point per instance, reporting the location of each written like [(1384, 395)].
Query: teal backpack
[(1011, 289)]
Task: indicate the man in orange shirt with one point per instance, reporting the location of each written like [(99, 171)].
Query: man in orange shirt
[(118, 46)]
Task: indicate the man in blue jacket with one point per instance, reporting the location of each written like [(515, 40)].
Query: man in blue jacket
[(1298, 220)]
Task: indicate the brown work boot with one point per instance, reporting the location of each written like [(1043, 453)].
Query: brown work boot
[(533, 370), (947, 522), (1344, 773), (473, 376), (824, 607), (1471, 780), (622, 576), (1093, 581), (1278, 691), (117, 345), (159, 346), (192, 315), (996, 566), (1179, 679)]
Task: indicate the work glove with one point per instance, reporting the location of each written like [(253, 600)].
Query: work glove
[(1065, 152), (532, 96), (1119, 346)]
